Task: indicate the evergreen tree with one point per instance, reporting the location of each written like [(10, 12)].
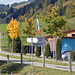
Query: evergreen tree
[(17, 45), (47, 51), (38, 51), (58, 49), (24, 49)]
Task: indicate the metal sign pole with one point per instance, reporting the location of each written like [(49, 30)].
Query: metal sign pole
[(43, 57), (32, 51)]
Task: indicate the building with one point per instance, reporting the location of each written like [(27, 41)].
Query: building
[(68, 42)]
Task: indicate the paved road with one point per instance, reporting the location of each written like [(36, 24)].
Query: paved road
[(39, 64), (14, 54)]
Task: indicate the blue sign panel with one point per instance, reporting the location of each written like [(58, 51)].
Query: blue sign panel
[(68, 44)]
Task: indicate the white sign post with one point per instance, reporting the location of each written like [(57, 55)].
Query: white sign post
[(32, 40), (39, 41)]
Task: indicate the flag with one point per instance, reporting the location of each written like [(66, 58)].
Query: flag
[(37, 28)]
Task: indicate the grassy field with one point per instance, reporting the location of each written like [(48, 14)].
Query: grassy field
[(4, 12), (43, 71)]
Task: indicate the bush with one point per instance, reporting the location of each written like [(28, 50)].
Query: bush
[(47, 50), (72, 55), (38, 51), (10, 67), (58, 49)]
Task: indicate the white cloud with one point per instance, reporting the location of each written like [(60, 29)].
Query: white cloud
[(10, 1)]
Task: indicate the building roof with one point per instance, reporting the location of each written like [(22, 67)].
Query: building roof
[(66, 32), (69, 31), (68, 37)]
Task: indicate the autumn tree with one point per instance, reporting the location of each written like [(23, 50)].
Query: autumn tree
[(29, 28), (54, 23), (49, 8), (13, 30)]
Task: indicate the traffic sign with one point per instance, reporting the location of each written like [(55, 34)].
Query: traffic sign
[(34, 40), (40, 44), (41, 39)]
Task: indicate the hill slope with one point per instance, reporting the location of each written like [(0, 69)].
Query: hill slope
[(20, 5)]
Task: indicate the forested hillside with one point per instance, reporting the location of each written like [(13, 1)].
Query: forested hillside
[(42, 8), (33, 8)]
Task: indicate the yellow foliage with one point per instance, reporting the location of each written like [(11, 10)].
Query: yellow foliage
[(13, 28)]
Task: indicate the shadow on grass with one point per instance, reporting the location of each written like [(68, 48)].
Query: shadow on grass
[(12, 67), (2, 62)]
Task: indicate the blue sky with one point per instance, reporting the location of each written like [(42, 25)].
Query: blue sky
[(10, 1)]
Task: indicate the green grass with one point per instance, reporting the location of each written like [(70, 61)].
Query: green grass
[(19, 69), (27, 70), (4, 12), (3, 28), (70, 22)]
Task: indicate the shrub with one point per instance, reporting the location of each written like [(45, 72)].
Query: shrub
[(38, 51), (58, 49), (72, 55), (10, 67), (47, 50)]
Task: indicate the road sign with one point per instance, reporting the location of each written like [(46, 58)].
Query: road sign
[(35, 40), (40, 44), (41, 39)]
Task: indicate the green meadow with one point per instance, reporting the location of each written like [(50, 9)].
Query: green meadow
[(4, 12)]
